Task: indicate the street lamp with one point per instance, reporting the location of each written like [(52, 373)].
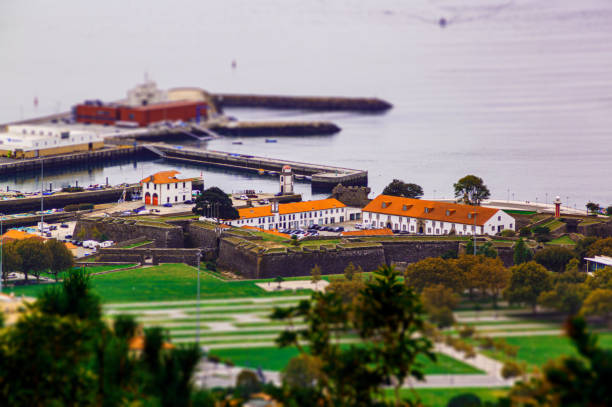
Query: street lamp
[(474, 233), (198, 304)]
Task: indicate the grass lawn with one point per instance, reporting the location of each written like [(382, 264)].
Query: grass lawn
[(562, 240), (272, 358), (131, 246), (166, 282), (537, 350), (552, 224), (441, 397)]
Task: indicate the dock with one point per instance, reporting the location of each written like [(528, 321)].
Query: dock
[(323, 177), (245, 129), (301, 102)]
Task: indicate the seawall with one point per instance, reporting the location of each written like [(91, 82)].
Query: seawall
[(301, 102)]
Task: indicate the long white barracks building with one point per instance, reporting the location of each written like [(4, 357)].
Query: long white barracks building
[(434, 218)]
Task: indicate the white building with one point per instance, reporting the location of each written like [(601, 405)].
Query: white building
[(34, 140), (286, 181), (292, 215), (163, 187), (146, 93), (433, 218)]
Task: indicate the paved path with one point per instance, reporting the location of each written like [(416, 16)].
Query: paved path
[(150, 304)]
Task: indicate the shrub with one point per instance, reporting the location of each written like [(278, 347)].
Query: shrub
[(512, 369), (508, 233), (486, 343), (86, 206), (525, 232), (465, 400), (467, 331)]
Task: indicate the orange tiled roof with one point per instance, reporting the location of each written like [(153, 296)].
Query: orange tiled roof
[(165, 177), (441, 211), (14, 234), (368, 232), (69, 246), (294, 207)]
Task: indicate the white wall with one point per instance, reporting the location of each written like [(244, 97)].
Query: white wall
[(175, 192), (300, 220)]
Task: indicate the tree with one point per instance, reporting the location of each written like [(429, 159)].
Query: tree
[(598, 303), (393, 313), (465, 264), (528, 281), (471, 189), (592, 207), (389, 319), (279, 280), (564, 297), (402, 189), (351, 272), (492, 277), (35, 256), (485, 249), (522, 254), (315, 275), (61, 258), (439, 301), (213, 202), (11, 259), (601, 278), (554, 258), (541, 233), (609, 211), (583, 246), (434, 270), (600, 247), (302, 371)]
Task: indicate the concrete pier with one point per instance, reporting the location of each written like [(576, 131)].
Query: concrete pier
[(323, 177), (302, 102)]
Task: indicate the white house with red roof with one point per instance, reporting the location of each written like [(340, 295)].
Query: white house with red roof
[(164, 187), (423, 217), (292, 215)]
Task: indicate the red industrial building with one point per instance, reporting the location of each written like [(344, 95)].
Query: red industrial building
[(99, 113)]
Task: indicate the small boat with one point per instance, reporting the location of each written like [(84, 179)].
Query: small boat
[(270, 140), (261, 171), (271, 172), (298, 176), (237, 142)]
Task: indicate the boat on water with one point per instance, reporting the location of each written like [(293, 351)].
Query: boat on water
[(272, 173), (237, 142), (298, 176), (261, 171), (270, 140)]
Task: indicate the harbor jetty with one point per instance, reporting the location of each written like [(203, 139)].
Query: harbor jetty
[(223, 100), (322, 177), (245, 129)]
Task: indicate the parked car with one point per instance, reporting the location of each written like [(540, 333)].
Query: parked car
[(107, 243), (53, 227), (167, 205), (68, 237), (64, 225), (340, 229), (188, 202), (244, 197), (358, 226)]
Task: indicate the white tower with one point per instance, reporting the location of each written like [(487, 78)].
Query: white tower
[(286, 181)]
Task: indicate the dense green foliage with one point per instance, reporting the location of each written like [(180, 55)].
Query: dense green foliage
[(402, 189), (214, 203), (471, 190)]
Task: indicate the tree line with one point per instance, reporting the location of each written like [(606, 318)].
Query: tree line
[(34, 256)]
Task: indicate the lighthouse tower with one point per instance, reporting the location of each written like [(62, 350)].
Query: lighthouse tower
[(557, 207), (286, 181)]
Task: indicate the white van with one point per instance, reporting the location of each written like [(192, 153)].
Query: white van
[(90, 244), (107, 243)]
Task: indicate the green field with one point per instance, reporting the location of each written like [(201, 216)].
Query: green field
[(562, 240), (166, 282), (537, 350), (271, 358), (441, 397), (133, 245)]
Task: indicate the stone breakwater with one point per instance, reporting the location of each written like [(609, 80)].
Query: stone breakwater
[(301, 102)]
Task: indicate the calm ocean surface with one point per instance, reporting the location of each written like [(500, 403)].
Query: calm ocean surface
[(517, 92)]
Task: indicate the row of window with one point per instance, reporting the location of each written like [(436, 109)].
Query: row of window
[(284, 218), (148, 185)]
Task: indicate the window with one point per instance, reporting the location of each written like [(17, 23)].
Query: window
[(176, 199), (183, 198), (428, 230), (167, 186), (168, 199), (176, 186), (510, 226), (499, 218), (183, 185)]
